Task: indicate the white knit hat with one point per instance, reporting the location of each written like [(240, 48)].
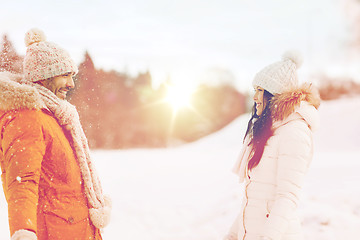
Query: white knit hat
[(43, 59), (280, 76)]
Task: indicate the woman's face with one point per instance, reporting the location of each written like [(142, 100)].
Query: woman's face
[(259, 100)]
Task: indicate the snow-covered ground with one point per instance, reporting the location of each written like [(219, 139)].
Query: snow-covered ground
[(189, 192)]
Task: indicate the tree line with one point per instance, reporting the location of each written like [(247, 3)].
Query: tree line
[(121, 111)]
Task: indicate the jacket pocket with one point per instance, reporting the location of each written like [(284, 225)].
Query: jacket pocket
[(67, 225), (70, 216), (70, 208)]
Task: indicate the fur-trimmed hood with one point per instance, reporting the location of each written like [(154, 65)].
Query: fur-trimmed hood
[(14, 95), (301, 102)]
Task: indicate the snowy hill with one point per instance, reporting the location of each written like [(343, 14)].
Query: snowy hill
[(189, 192)]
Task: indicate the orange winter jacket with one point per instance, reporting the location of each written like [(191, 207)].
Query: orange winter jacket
[(40, 175)]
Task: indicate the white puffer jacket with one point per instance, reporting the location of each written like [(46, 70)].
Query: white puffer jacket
[(272, 188)]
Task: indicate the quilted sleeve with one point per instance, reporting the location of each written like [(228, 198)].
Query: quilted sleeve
[(23, 148)]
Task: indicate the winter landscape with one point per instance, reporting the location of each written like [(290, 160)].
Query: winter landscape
[(189, 192)]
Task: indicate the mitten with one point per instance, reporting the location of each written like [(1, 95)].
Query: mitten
[(24, 235)]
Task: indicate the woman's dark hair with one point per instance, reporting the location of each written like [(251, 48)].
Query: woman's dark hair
[(260, 130)]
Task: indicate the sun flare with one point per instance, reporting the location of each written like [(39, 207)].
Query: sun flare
[(178, 96)]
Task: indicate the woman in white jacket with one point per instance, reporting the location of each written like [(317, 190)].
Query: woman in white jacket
[(277, 151)]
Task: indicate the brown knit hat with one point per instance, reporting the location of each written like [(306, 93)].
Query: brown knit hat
[(43, 59)]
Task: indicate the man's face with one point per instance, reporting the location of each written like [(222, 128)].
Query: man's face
[(60, 85)]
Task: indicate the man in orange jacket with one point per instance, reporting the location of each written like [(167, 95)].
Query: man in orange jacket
[(49, 181)]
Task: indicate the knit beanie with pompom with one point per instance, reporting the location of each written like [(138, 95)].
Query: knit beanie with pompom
[(43, 59), (280, 76)]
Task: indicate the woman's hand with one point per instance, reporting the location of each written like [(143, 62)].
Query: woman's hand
[(231, 236)]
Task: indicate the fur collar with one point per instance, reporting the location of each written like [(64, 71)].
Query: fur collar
[(301, 102), (14, 95)]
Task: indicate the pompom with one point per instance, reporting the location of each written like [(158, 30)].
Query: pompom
[(294, 56), (100, 217), (34, 35)]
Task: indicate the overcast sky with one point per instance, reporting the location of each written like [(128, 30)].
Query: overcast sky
[(188, 39)]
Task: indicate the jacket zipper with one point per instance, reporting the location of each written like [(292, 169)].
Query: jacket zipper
[(245, 207)]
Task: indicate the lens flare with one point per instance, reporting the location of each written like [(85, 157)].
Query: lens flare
[(178, 96)]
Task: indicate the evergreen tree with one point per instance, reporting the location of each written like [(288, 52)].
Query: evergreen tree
[(9, 59)]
